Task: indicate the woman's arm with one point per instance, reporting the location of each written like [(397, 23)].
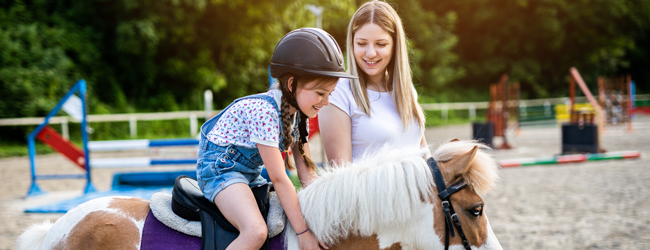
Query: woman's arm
[(336, 133), (305, 174)]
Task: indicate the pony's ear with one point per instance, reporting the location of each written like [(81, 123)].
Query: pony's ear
[(460, 164)]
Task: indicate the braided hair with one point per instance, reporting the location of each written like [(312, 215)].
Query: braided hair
[(288, 100)]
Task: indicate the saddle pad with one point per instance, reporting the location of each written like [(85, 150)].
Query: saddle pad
[(162, 209), (161, 206), (156, 236), (276, 219)]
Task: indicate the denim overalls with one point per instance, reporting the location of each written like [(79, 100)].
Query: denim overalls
[(220, 166)]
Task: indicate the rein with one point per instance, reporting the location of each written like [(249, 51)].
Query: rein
[(451, 218)]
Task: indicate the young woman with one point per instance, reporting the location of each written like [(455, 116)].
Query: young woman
[(380, 107), (255, 130)]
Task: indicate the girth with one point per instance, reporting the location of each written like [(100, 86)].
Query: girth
[(451, 218), (189, 203)]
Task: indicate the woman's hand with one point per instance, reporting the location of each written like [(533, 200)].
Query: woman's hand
[(307, 241)]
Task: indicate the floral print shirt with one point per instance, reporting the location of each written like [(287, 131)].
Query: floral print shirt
[(249, 122)]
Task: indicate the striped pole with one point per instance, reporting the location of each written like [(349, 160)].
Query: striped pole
[(137, 162), (123, 145), (569, 159)]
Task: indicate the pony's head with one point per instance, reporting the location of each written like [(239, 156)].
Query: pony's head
[(391, 196), (469, 161)]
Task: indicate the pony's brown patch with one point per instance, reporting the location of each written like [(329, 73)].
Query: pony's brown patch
[(357, 242), (439, 219), (108, 230), (134, 208), (102, 230)]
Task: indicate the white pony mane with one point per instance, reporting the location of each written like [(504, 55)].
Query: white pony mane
[(382, 190)]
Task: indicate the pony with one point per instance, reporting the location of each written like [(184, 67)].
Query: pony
[(386, 200)]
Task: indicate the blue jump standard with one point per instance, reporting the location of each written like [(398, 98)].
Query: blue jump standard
[(66, 205), (132, 184)]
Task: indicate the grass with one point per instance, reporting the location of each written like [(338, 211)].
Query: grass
[(11, 149), (295, 181), (454, 117)]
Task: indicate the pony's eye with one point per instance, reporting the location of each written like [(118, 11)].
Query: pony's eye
[(477, 210)]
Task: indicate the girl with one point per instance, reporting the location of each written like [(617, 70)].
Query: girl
[(381, 106), (255, 130)]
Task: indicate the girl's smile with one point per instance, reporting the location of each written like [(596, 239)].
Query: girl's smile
[(313, 95)]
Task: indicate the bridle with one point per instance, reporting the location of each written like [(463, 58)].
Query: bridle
[(451, 218)]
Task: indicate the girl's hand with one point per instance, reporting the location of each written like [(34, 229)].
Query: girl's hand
[(307, 241)]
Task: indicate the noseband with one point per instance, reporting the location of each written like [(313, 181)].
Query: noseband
[(451, 218)]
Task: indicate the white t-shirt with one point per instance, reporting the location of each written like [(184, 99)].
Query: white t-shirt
[(383, 126), (249, 122)]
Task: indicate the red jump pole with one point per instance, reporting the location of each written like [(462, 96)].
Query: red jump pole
[(55, 141)]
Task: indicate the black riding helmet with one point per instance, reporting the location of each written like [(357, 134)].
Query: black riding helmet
[(308, 51)]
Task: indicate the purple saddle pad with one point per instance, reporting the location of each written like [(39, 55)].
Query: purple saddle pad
[(156, 235)]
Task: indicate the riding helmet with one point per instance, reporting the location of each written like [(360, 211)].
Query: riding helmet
[(308, 51)]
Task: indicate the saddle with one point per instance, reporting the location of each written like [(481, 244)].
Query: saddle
[(189, 203)]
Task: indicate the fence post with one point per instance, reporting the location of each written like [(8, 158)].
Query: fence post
[(445, 110), (133, 126), (193, 124), (64, 128), (472, 112), (207, 97)]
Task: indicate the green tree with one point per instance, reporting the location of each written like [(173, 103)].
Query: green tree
[(431, 42), (535, 42)]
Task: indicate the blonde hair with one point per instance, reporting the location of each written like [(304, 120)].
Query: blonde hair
[(398, 69)]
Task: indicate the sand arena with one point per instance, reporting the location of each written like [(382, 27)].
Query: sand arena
[(589, 205)]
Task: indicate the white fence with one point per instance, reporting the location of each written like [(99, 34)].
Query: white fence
[(133, 118)]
